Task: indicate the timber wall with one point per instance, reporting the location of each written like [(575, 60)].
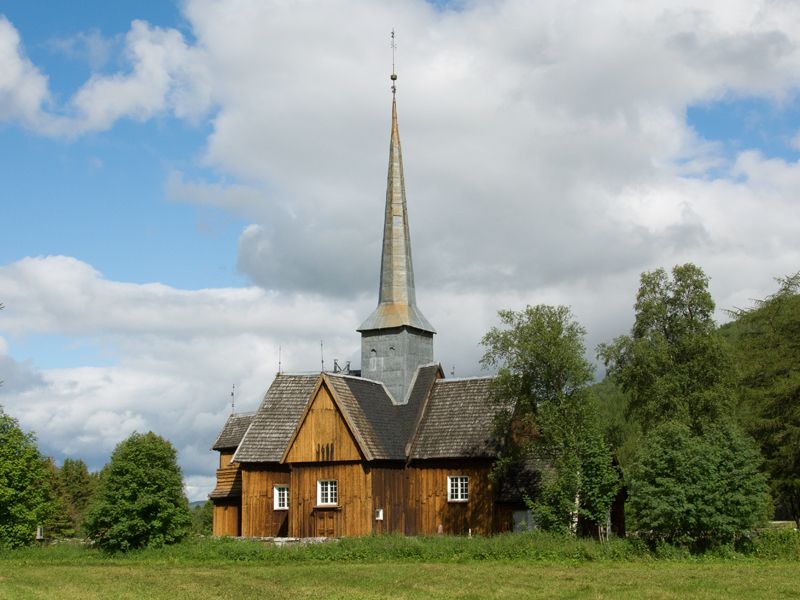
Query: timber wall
[(323, 436), (226, 517), (259, 517), (427, 506), (353, 513)]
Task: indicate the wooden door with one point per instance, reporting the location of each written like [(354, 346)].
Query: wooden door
[(325, 523)]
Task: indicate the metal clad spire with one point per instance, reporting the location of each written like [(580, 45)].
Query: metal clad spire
[(397, 305)]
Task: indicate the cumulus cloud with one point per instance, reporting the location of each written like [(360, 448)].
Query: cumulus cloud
[(180, 352), (23, 88), (547, 158), (166, 76)]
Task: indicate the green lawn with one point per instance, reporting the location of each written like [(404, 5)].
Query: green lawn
[(511, 566), (658, 579)]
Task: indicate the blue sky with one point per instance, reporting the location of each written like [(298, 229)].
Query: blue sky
[(189, 186)]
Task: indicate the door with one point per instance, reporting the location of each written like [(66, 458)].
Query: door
[(325, 523)]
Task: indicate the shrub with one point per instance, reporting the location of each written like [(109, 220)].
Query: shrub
[(697, 490), (140, 501)]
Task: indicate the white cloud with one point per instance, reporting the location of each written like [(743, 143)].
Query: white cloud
[(89, 46), (547, 158), (23, 88)]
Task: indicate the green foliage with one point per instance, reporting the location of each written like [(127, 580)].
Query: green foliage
[(766, 339), (24, 489), (622, 434), (697, 490), (540, 355), (695, 479), (140, 501), (58, 523), (77, 487), (547, 413), (673, 365), (203, 518)]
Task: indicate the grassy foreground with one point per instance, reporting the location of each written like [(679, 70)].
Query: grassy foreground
[(667, 579), (514, 566)]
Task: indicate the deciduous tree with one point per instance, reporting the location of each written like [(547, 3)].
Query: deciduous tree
[(673, 365), (140, 501), (695, 478), (24, 486), (545, 411), (698, 490)]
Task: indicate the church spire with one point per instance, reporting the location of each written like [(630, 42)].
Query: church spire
[(396, 340), (397, 304)]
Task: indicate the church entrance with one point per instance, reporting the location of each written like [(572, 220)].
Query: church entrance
[(325, 522)]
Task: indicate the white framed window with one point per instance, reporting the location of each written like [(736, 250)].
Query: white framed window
[(327, 492), (280, 497), (457, 488)]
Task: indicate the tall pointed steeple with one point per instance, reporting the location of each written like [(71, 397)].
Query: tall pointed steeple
[(397, 300), (396, 338)]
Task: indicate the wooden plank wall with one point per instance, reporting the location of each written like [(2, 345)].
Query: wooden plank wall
[(225, 457), (226, 518), (427, 505), (389, 493), (323, 435), (259, 517), (353, 516)]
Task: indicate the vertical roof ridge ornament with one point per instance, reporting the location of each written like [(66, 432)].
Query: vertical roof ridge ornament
[(397, 302)]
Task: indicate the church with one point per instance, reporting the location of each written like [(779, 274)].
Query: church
[(394, 448)]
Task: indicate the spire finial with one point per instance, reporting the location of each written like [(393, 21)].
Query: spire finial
[(394, 75)]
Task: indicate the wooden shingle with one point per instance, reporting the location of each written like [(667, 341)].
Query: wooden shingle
[(276, 419), (232, 432)]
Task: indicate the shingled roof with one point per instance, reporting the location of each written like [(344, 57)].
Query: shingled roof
[(367, 408), (382, 426), (232, 432), (457, 421), (276, 419), (442, 418)]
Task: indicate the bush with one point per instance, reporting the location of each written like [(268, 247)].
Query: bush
[(697, 490), (24, 485), (140, 501)]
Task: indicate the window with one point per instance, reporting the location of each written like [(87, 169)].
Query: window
[(280, 497), (457, 488), (327, 492)]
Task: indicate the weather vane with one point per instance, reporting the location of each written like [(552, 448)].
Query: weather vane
[(394, 75)]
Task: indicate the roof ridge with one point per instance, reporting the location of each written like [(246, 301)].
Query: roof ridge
[(455, 379)]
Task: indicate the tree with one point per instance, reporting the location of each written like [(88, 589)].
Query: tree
[(679, 377), (58, 523), (78, 487), (140, 501), (673, 365), (203, 518), (697, 490), (24, 499), (766, 339), (545, 411)]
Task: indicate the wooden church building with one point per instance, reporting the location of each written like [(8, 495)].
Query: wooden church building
[(398, 448)]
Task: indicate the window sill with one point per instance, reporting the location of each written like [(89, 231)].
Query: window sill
[(327, 507), (458, 501), (280, 509)]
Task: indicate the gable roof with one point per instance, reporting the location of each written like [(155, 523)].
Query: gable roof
[(232, 432), (441, 419), (276, 419), (366, 406), (457, 421)]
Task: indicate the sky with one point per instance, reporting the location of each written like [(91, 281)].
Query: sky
[(192, 191)]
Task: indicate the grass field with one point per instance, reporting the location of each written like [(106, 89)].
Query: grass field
[(664, 579), (386, 567)]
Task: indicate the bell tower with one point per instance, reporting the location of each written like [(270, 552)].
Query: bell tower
[(396, 338)]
